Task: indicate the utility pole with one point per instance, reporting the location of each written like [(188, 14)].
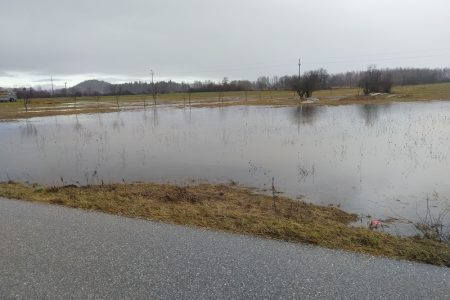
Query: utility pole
[(299, 68), (51, 79), (153, 88), (151, 72)]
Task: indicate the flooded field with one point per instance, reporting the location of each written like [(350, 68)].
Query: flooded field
[(378, 160)]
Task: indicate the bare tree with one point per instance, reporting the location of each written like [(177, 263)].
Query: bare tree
[(118, 94), (27, 97), (116, 91), (97, 97), (262, 83), (376, 81), (225, 81), (386, 82), (189, 94), (75, 94), (220, 96), (370, 81), (309, 82), (144, 98), (399, 76)]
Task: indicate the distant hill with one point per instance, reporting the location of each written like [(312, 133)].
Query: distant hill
[(92, 86)]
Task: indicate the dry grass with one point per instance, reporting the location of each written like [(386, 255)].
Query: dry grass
[(340, 96), (438, 91), (235, 209)]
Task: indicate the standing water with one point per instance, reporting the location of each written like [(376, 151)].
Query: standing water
[(382, 160)]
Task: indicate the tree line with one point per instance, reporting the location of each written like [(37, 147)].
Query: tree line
[(372, 80)]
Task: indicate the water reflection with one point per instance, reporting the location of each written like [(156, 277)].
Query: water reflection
[(371, 112), (376, 159), (305, 114), (155, 116), (77, 126), (118, 122), (187, 113), (29, 130)]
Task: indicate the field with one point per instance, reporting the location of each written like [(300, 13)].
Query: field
[(236, 209), (340, 96), (228, 207)]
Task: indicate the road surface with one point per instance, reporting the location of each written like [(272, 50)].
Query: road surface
[(53, 252)]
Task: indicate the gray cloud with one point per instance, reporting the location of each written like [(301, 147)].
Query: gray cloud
[(213, 39), (48, 80), (5, 74)]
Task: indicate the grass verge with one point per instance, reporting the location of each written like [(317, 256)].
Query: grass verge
[(235, 209)]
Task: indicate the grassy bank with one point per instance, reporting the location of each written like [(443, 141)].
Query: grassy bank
[(340, 96), (235, 209)]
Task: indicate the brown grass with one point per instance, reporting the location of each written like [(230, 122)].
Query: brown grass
[(339, 96), (235, 209)]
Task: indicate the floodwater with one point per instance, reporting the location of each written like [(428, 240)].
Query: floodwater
[(378, 160)]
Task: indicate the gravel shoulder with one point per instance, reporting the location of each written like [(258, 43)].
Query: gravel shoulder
[(53, 252)]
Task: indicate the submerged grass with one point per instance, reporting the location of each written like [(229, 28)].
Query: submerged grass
[(235, 209)]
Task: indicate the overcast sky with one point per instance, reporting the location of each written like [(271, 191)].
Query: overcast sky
[(207, 39)]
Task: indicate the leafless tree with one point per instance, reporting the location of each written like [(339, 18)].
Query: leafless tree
[(97, 97), (144, 98), (75, 94), (27, 97), (189, 95), (262, 83), (116, 91), (309, 82), (376, 81)]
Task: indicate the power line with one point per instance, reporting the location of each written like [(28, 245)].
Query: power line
[(322, 63), (380, 53), (379, 59), (323, 60)]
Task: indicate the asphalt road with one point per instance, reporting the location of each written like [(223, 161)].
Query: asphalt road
[(52, 252)]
